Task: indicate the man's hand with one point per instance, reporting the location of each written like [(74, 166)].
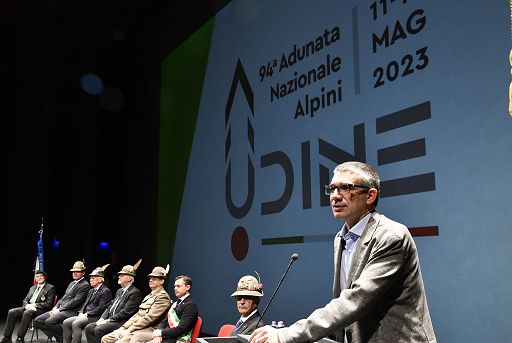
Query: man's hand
[(54, 311), (120, 332), (82, 315), (101, 321), (266, 334), (30, 307), (157, 333)]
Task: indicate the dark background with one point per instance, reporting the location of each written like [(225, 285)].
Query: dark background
[(87, 164)]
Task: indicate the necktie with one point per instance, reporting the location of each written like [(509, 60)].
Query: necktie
[(116, 302), (36, 293), (238, 324)]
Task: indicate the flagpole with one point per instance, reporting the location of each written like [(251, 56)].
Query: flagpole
[(39, 265)]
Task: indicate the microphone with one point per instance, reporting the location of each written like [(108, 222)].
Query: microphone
[(294, 257)]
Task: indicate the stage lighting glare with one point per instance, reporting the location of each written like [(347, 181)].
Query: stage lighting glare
[(91, 84), (104, 245)]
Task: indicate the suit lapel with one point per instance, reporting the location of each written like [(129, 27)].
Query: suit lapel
[(360, 252), (42, 293), (180, 305), (339, 246), (247, 325), (89, 297)]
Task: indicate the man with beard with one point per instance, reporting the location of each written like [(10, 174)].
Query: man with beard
[(39, 299)]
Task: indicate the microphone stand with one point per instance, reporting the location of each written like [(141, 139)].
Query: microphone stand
[(294, 257)]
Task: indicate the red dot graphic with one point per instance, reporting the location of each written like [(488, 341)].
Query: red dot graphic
[(239, 243)]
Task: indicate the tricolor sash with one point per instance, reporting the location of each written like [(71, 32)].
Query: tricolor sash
[(174, 321)]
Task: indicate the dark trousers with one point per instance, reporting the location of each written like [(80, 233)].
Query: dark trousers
[(51, 325), (94, 332), (26, 318)]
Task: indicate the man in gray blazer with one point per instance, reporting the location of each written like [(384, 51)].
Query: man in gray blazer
[(378, 289)]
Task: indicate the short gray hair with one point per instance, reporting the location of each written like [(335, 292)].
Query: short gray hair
[(369, 176)]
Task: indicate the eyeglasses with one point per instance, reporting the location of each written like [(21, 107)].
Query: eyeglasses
[(342, 189), (244, 297)]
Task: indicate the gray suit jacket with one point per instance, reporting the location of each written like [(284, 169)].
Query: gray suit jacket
[(74, 296), (249, 325), (128, 305), (385, 298)]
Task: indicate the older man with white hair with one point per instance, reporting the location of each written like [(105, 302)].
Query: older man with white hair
[(97, 300), (124, 305)]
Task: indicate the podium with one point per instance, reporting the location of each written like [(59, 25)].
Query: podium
[(243, 339)]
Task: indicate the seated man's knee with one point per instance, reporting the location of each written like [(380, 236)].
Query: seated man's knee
[(101, 331), (39, 320)]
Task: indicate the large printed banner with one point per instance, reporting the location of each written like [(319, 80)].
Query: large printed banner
[(418, 89)]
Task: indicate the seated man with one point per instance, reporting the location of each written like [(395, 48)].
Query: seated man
[(125, 305), (39, 299), (98, 298), (68, 305), (180, 321), (151, 310), (248, 294)]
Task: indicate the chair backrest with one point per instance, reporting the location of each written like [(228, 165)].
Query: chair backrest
[(55, 300), (226, 330), (196, 330)]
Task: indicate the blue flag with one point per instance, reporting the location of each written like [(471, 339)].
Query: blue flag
[(39, 265)]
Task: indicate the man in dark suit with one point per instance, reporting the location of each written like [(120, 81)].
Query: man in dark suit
[(378, 288), (248, 294), (180, 321), (68, 305), (125, 305), (98, 299), (151, 311), (39, 299)]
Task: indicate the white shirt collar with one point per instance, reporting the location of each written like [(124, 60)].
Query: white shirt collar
[(183, 297), (245, 318)]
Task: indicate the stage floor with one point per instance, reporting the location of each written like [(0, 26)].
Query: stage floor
[(42, 337)]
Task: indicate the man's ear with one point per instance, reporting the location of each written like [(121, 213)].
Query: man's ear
[(371, 196)]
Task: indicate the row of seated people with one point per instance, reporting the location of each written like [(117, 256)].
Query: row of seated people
[(128, 318)]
